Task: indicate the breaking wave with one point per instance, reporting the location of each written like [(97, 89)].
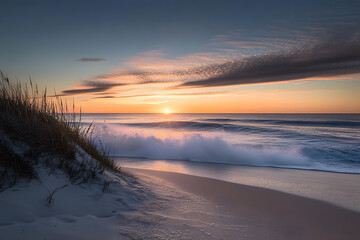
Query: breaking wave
[(324, 142), (196, 147)]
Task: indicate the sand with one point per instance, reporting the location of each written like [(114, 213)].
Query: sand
[(166, 205), (337, 188), (276, 215)]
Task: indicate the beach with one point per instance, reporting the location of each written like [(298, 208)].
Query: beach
[(271, 214), (160, 204), (180, 120), (194, 176)]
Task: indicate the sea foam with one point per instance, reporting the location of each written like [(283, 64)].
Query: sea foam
[(194, 147)]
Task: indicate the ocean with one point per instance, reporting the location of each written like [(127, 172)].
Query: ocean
[(322, 142)]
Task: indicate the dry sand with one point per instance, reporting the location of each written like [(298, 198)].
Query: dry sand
[(276, 215)]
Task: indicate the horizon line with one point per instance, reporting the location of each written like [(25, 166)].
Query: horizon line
[(209, 113)]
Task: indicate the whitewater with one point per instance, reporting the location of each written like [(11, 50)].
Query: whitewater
[(323, 142)]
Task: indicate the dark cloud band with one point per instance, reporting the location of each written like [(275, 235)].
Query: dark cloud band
[(90, 60), (90, 87), (334, 57)]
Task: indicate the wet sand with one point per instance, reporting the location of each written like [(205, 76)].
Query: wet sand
[(277, 215)]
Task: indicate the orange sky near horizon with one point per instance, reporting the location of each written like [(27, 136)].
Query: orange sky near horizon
[(250, 101)]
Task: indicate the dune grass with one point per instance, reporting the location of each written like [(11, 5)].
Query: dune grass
[(48, 127)]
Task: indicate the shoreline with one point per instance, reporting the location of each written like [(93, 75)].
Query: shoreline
[(289, 215), (340, 189), (239, 165)]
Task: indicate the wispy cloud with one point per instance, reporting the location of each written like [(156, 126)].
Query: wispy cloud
[(90, 87), (102, 97), (90, 60), (329, 57), (289, 91), (261, 42), (337, 55), (169, 95), (156, 60)]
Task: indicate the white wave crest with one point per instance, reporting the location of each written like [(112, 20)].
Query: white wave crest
[(193, 147)]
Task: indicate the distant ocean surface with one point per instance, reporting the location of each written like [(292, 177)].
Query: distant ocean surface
[(324, 142)]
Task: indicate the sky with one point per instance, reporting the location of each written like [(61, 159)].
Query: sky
[(187, 56)]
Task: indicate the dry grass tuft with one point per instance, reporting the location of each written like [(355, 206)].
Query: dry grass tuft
[(47, 126)]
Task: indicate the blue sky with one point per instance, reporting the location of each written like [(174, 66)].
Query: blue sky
[(44, 39)]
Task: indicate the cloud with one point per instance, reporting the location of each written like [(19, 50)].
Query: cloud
[(104, 97), (269, 40), (170, 95), (90, 87), (332, 57), (156, 61), (90, 60), (329, 57)]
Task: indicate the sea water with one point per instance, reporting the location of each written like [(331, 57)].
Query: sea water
[(324, 142)]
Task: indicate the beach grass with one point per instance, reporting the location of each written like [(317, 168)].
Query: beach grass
[(51, 131)]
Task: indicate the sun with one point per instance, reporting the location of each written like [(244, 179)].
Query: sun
[(166, 111)]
